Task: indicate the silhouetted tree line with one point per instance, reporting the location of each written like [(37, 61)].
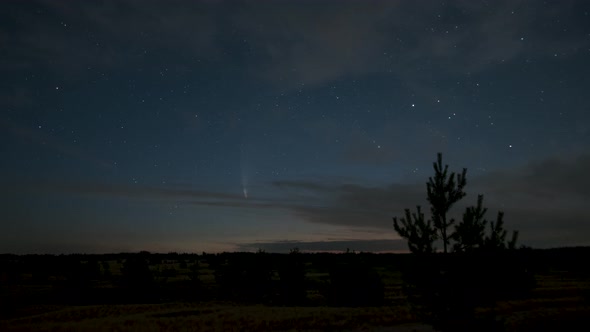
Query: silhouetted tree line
[(478, 265), (244, 277), (281, 279), (440, 284)]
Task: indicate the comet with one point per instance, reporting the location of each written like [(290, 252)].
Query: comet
[(244, 174)]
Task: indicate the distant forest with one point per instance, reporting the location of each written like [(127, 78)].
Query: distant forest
[(301, 279)]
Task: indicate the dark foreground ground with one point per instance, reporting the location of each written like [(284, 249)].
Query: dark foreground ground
[(262, 292)]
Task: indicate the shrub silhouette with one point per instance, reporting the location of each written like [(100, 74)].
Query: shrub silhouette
[(136, 271), (194, 272), (106, 270), (137, 278), (354, 283), (244, 277), (168, 272), (292, 279)]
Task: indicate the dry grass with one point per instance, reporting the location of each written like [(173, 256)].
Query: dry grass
[(207, 317), (559, 303)]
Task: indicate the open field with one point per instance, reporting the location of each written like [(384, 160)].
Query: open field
[(190, 294), (210, 317)]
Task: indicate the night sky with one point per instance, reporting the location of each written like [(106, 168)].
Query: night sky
[(221, 126)]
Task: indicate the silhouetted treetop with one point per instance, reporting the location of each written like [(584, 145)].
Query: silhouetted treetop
[(444, 189)]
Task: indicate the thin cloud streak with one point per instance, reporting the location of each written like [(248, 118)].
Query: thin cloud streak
[(539, 200), (382, 245)]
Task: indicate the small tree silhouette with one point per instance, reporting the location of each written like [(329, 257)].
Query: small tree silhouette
[(444, 190), (420, 234), (447, 288), (469, 233), (497, 237)]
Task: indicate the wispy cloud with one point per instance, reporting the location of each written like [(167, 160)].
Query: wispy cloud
[(545, 201), (327, 246), (314, 44), (554, 178), (292, 43)]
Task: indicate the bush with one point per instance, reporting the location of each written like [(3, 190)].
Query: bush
[(137, 278), (245, 277), (292, 279), (354, 284)]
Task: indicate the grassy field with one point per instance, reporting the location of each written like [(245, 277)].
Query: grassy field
[(559, 301), (210, 317)]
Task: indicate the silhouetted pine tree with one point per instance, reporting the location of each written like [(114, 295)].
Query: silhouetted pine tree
[(447, 288), (470, 232), (444, 190), (419, 233), (497, 237)]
